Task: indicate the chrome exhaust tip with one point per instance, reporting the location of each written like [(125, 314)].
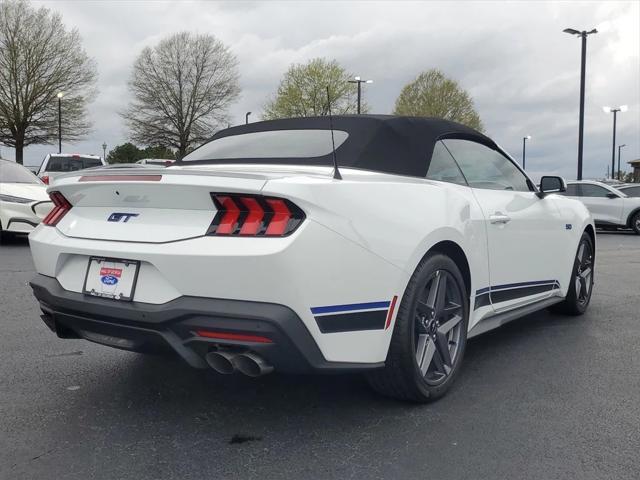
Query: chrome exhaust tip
[(251, 365), (221, 362)]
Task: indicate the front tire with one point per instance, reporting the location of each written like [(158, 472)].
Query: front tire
[(635, 223), (581, 286), (429, 336)]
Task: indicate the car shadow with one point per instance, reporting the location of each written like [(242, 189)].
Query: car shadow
[(14, 240)]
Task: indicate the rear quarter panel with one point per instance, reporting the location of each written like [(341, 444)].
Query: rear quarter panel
[(397, 218)]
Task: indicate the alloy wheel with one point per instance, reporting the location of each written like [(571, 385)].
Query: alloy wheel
[(438, 327), (583, 280)]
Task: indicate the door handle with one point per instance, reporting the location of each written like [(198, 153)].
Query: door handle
[(499, 218)]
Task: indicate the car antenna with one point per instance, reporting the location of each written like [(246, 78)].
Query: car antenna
[(336, 172)]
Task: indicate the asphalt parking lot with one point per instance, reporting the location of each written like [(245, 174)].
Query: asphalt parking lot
[(546, 397)]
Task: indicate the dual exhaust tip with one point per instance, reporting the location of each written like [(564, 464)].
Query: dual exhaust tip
[(248, 363)]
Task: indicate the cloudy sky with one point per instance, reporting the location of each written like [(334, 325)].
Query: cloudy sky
[(513, 58)]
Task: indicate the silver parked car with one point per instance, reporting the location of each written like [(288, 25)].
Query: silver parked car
[(610, 206)]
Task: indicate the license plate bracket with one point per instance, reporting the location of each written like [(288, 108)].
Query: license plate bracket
[(111, 278)]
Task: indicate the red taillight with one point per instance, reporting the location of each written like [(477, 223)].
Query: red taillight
[(240, 337), (45, 179), (254, 215), (60, 208)]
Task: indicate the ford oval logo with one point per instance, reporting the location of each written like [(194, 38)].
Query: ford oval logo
[(109, 280)]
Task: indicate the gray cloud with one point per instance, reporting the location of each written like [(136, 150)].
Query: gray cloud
[(522, 71)]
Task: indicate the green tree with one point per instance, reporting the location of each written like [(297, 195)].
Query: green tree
[(432, 94), (39, 59), (303, 91), (181, 91), (157, 152), (129, 153), (125, 153)]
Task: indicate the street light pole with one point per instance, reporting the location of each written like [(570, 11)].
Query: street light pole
[(60, 94), (104, 151), (615, 110), (620, 148), (583, 63), (246, 118), (359, 81), (524, 150)]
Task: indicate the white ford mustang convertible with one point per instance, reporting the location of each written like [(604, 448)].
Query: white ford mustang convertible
[(374, 244)]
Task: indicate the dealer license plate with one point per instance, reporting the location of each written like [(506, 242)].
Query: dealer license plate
[(111, 278)]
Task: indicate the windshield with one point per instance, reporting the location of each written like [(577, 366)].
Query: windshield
[(271, 144), (15, 173), (70, 164)]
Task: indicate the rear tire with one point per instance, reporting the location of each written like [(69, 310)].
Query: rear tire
[(581, 287), (429, 336), (635, 223)]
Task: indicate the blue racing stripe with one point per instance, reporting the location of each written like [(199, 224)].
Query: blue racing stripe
[(515, 285), (349, 307)]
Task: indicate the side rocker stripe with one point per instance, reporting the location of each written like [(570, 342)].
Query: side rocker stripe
[(349, 307)]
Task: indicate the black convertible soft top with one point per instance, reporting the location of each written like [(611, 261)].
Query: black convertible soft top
[(383, 143)]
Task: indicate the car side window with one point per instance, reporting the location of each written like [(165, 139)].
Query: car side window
[(443, 167), (572, 190), (589, 190), (486, 168), (632, 191)]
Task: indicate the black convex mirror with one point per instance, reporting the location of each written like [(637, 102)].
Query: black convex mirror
[(551, 184), (612, 195)]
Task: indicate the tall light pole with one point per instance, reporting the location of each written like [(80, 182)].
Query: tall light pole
[(60, 95), (359, 81), (246, 118), (583, 34), (104, 151), (524, 150), (615, 110), (620, 148)]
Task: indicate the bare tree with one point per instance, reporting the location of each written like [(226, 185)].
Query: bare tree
[(39, 59), (181, 91)]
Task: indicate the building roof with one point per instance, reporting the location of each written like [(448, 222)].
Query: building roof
[(384, 143), (634, 162)]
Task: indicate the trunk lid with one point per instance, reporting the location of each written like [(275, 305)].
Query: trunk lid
[(146, 205)]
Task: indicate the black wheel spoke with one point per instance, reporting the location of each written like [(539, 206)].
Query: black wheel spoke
[(424, 353), (425, 309), (441, 293), (442, 346), (449, 324), (438, 364)]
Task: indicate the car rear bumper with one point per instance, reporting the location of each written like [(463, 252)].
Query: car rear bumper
[(172, 326)]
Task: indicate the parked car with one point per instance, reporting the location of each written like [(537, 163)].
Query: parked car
[(23, 199), (611, 207), (55, 164), (269, 249), (161, 162), (630, 189)]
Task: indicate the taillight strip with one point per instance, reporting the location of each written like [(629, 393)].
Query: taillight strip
[(241, 214), (120, 178), (60, 209)]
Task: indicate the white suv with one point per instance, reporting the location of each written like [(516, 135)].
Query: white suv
[(55, 164), (608, 206)]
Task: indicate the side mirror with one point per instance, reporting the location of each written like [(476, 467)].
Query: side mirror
[(612, 195), (549, 184)]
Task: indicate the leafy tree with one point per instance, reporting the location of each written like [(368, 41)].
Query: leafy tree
[(303, 91), (181, 90), (157, 152), (432, 94), (129, 153), (125, 153)]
